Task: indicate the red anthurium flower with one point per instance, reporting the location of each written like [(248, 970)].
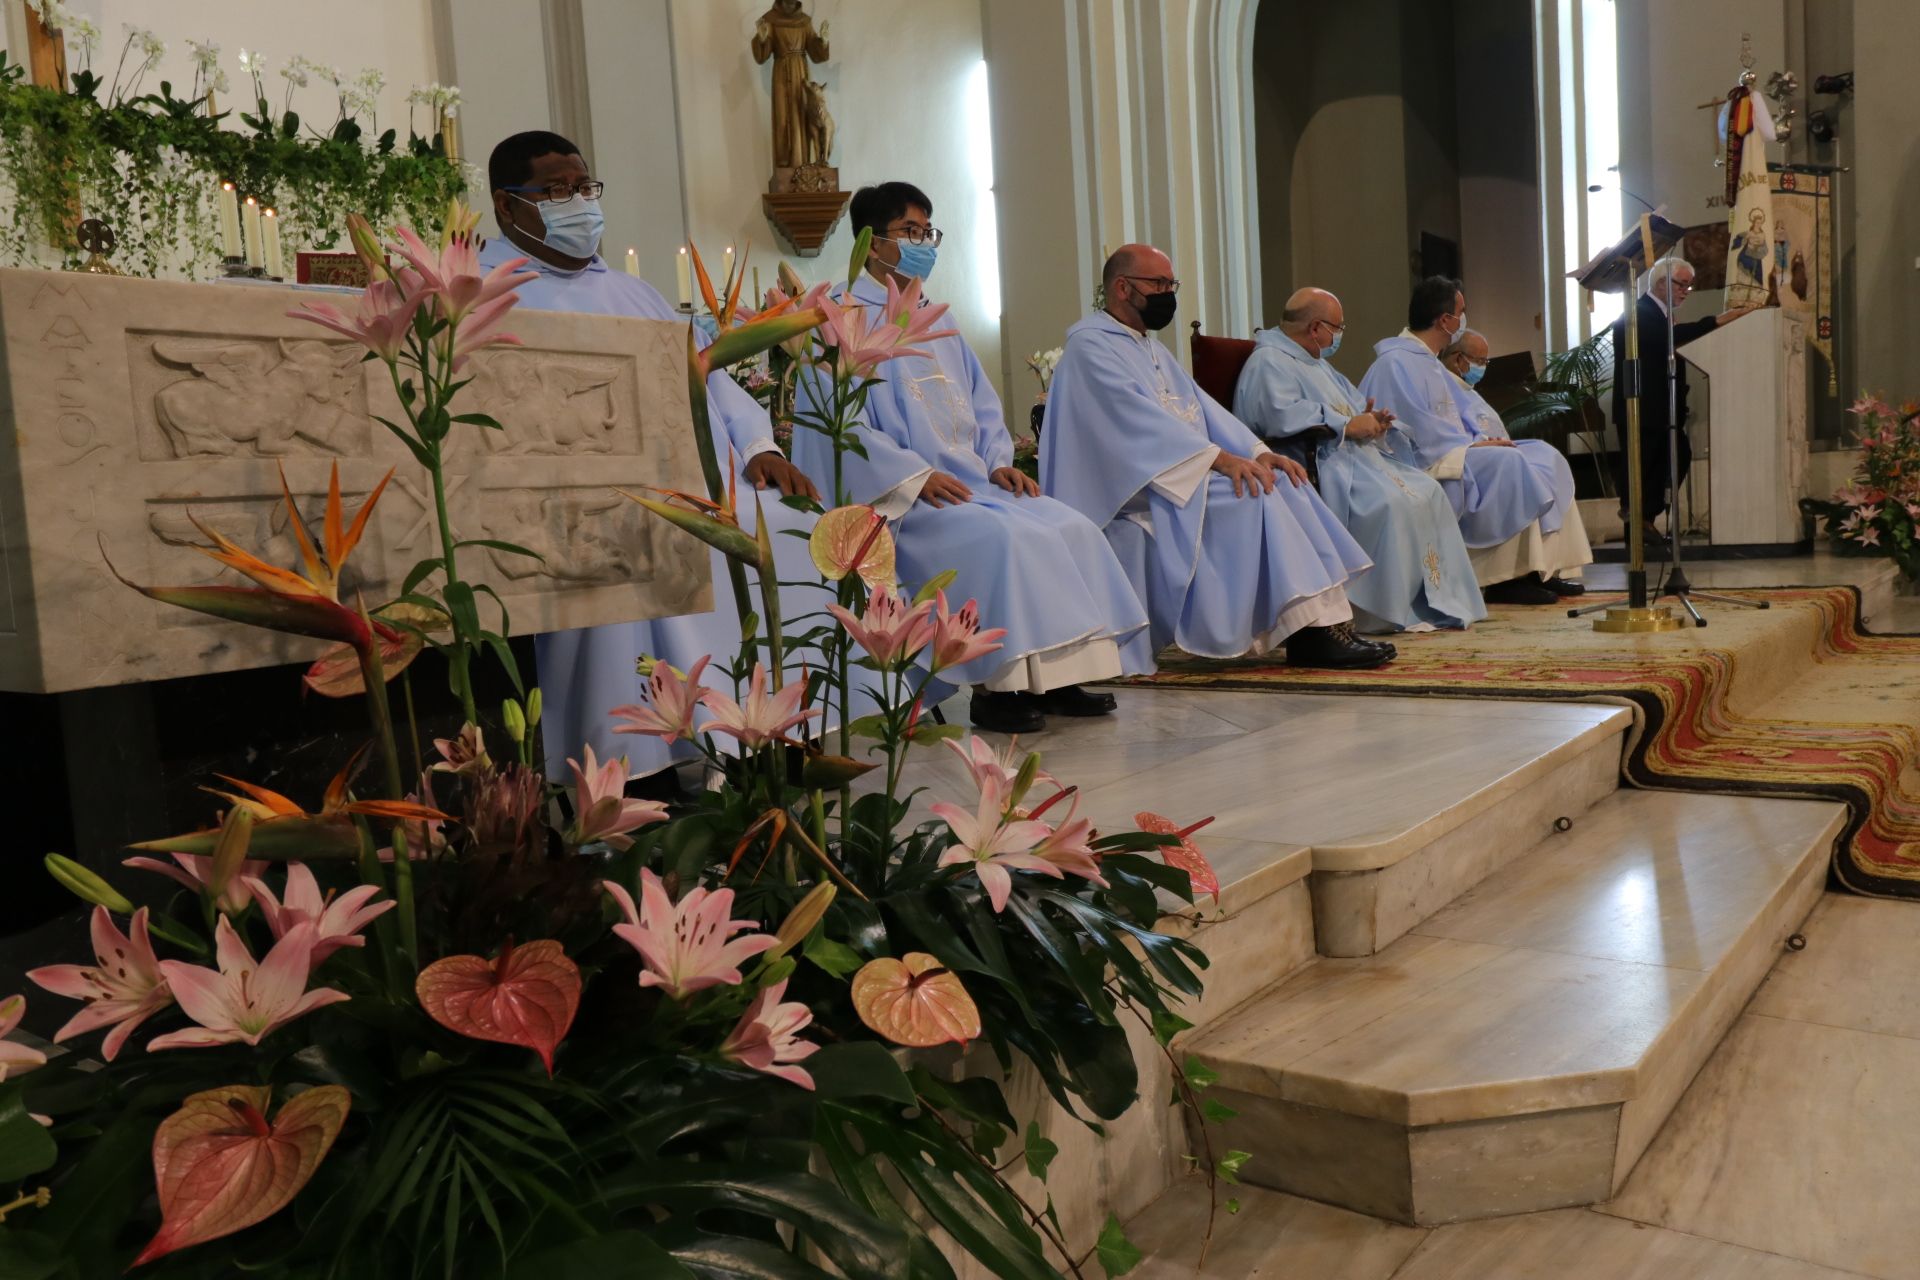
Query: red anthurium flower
[(914, 1001), (526, 996), (220, 1166), (1185, 854)]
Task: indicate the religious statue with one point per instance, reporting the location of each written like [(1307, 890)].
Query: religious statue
[(1746, 126), (785, 33)]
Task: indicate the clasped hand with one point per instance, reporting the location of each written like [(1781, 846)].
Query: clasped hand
[(1255, 476)]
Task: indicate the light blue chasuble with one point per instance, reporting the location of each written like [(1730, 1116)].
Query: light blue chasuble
[(1547, 462), (1036, 566), (1496, 493), (586, 673), (1399, 515), (1128, 440)]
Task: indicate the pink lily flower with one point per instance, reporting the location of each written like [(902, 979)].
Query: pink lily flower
[(957, 637), (337, 921), (246, 1000), (1067, 847), (386, 313), (689, 945), (601, 808), (992, 844), (983, 762), (867, 337), (452, 274), (16, 1058), (195, 871), (123, 988), (763, 718), (667, 713), (913, 314), (464, 753), (1870, 536), (767, 1037), (890, 630)]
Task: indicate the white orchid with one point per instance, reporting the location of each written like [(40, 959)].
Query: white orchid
[(252, 62), (83, 34), (370, 81), (53, 13), (294, 72), (205, 56), (151, 47)]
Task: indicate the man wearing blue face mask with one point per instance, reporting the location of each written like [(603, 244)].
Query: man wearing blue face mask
[(548, 206)]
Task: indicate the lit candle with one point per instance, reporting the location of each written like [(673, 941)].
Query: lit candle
[(633, 262), (276, 266), (256, 244), (758, 297), (726, 264), (684, 270), (229, 222)]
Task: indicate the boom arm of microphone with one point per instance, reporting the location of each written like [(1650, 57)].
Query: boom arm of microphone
[(1644, 202)]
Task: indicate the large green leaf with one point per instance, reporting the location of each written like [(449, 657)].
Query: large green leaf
[(25, 1147)]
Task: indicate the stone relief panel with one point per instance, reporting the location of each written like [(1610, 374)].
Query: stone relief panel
[(130, 408)]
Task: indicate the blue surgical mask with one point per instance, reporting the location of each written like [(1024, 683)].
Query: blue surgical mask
[(573, 227), (1474, 373), (1327, 352), (915, 259)]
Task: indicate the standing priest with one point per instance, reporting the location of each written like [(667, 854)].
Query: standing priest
[(548, 206), (1290, 393), (1521, 532), (1230, 548), (939, 462)]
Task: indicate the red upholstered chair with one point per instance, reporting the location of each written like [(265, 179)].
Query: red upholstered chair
[(1217, 363)]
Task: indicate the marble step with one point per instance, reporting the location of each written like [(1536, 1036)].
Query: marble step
[(1518, 1050), (1405, 803)]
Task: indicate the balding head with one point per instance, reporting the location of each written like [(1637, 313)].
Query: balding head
[(1134, 273), (1313, 318), (1468, 351)]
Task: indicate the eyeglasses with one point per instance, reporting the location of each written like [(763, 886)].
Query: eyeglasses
[(1337, 328), (1165, 285), (913, 233), (560, 192)]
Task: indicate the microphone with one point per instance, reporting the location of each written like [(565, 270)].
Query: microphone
[(1644, 202)]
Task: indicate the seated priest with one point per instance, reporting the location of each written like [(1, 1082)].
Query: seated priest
[(1514, 501), (1291, 395), (1226, 542), (548, 206), (939, 463)]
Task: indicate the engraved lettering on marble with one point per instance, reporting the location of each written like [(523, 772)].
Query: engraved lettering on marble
[(241, 397), (587, 536), (553, 403)]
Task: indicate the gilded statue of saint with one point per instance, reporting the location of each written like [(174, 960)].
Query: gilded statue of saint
[(785, 33)]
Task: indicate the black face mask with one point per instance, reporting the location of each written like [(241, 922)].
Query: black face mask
[(1156, 309)]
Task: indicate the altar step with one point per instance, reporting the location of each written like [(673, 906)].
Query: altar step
[(1520, 1048)]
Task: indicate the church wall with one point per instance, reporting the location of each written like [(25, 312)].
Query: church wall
[(1495, 125), (1886, 197)]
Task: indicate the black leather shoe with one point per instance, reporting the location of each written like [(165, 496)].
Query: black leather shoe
[(1525, 590), (1073, 700), (1005, 712), (1565, 586), (1337, 648), (1347, 632)]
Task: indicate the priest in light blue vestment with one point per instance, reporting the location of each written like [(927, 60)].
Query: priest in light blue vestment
[(1522, 539), (939, 464), (1226, 542), (1290, 394), (586, 673)]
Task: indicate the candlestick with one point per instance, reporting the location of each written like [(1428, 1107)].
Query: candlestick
[(276, 265), (683, 270), (759, 298), (726, 264), (633, 262), (229, 221), (256, 242)]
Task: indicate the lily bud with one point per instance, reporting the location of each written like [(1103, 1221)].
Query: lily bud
[(1024, 779), (516, 720), (857, 260), (805, 915), (367, 245), (86, 885), (533, 707), (236, 833)]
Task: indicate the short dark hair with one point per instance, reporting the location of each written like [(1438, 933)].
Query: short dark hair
[(881, 203), (1115, 266), (1432, 298), (511, 163)]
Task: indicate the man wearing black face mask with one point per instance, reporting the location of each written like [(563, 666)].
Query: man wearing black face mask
[(1228, 546)]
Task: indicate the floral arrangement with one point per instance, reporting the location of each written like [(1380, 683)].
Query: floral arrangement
[(152, 162), (1042, 363), (458, 1020), (1877, 512)]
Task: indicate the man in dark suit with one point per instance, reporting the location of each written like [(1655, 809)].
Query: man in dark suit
[(1668, 283)]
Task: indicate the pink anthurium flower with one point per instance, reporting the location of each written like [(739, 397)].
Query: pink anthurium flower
[(957, 638), (767, 1037), (688, 945), (337, 921), (527, 995), (219, 1166), (891, 630), (1183, 852), (764, 717), (16, 1058), (245, 1000), (601, 808), (195, 871), (122, 988), (667, 713), (992, 844), (915, 1001)]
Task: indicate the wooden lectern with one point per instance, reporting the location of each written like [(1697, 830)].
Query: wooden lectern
[(1757, 429)]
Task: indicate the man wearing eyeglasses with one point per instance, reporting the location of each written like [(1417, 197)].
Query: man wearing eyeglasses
[(1226, 542), (939, 463), (548, 207), (1290, 393), (1668, 285)]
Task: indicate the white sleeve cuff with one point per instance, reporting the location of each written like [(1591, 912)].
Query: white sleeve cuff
[(1451, 467), (894, 503), (1178, 483), (764, 444)]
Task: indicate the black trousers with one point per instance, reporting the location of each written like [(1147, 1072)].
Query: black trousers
[(1655, 446)]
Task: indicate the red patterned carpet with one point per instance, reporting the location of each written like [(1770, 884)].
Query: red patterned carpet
[(1795, 700)]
